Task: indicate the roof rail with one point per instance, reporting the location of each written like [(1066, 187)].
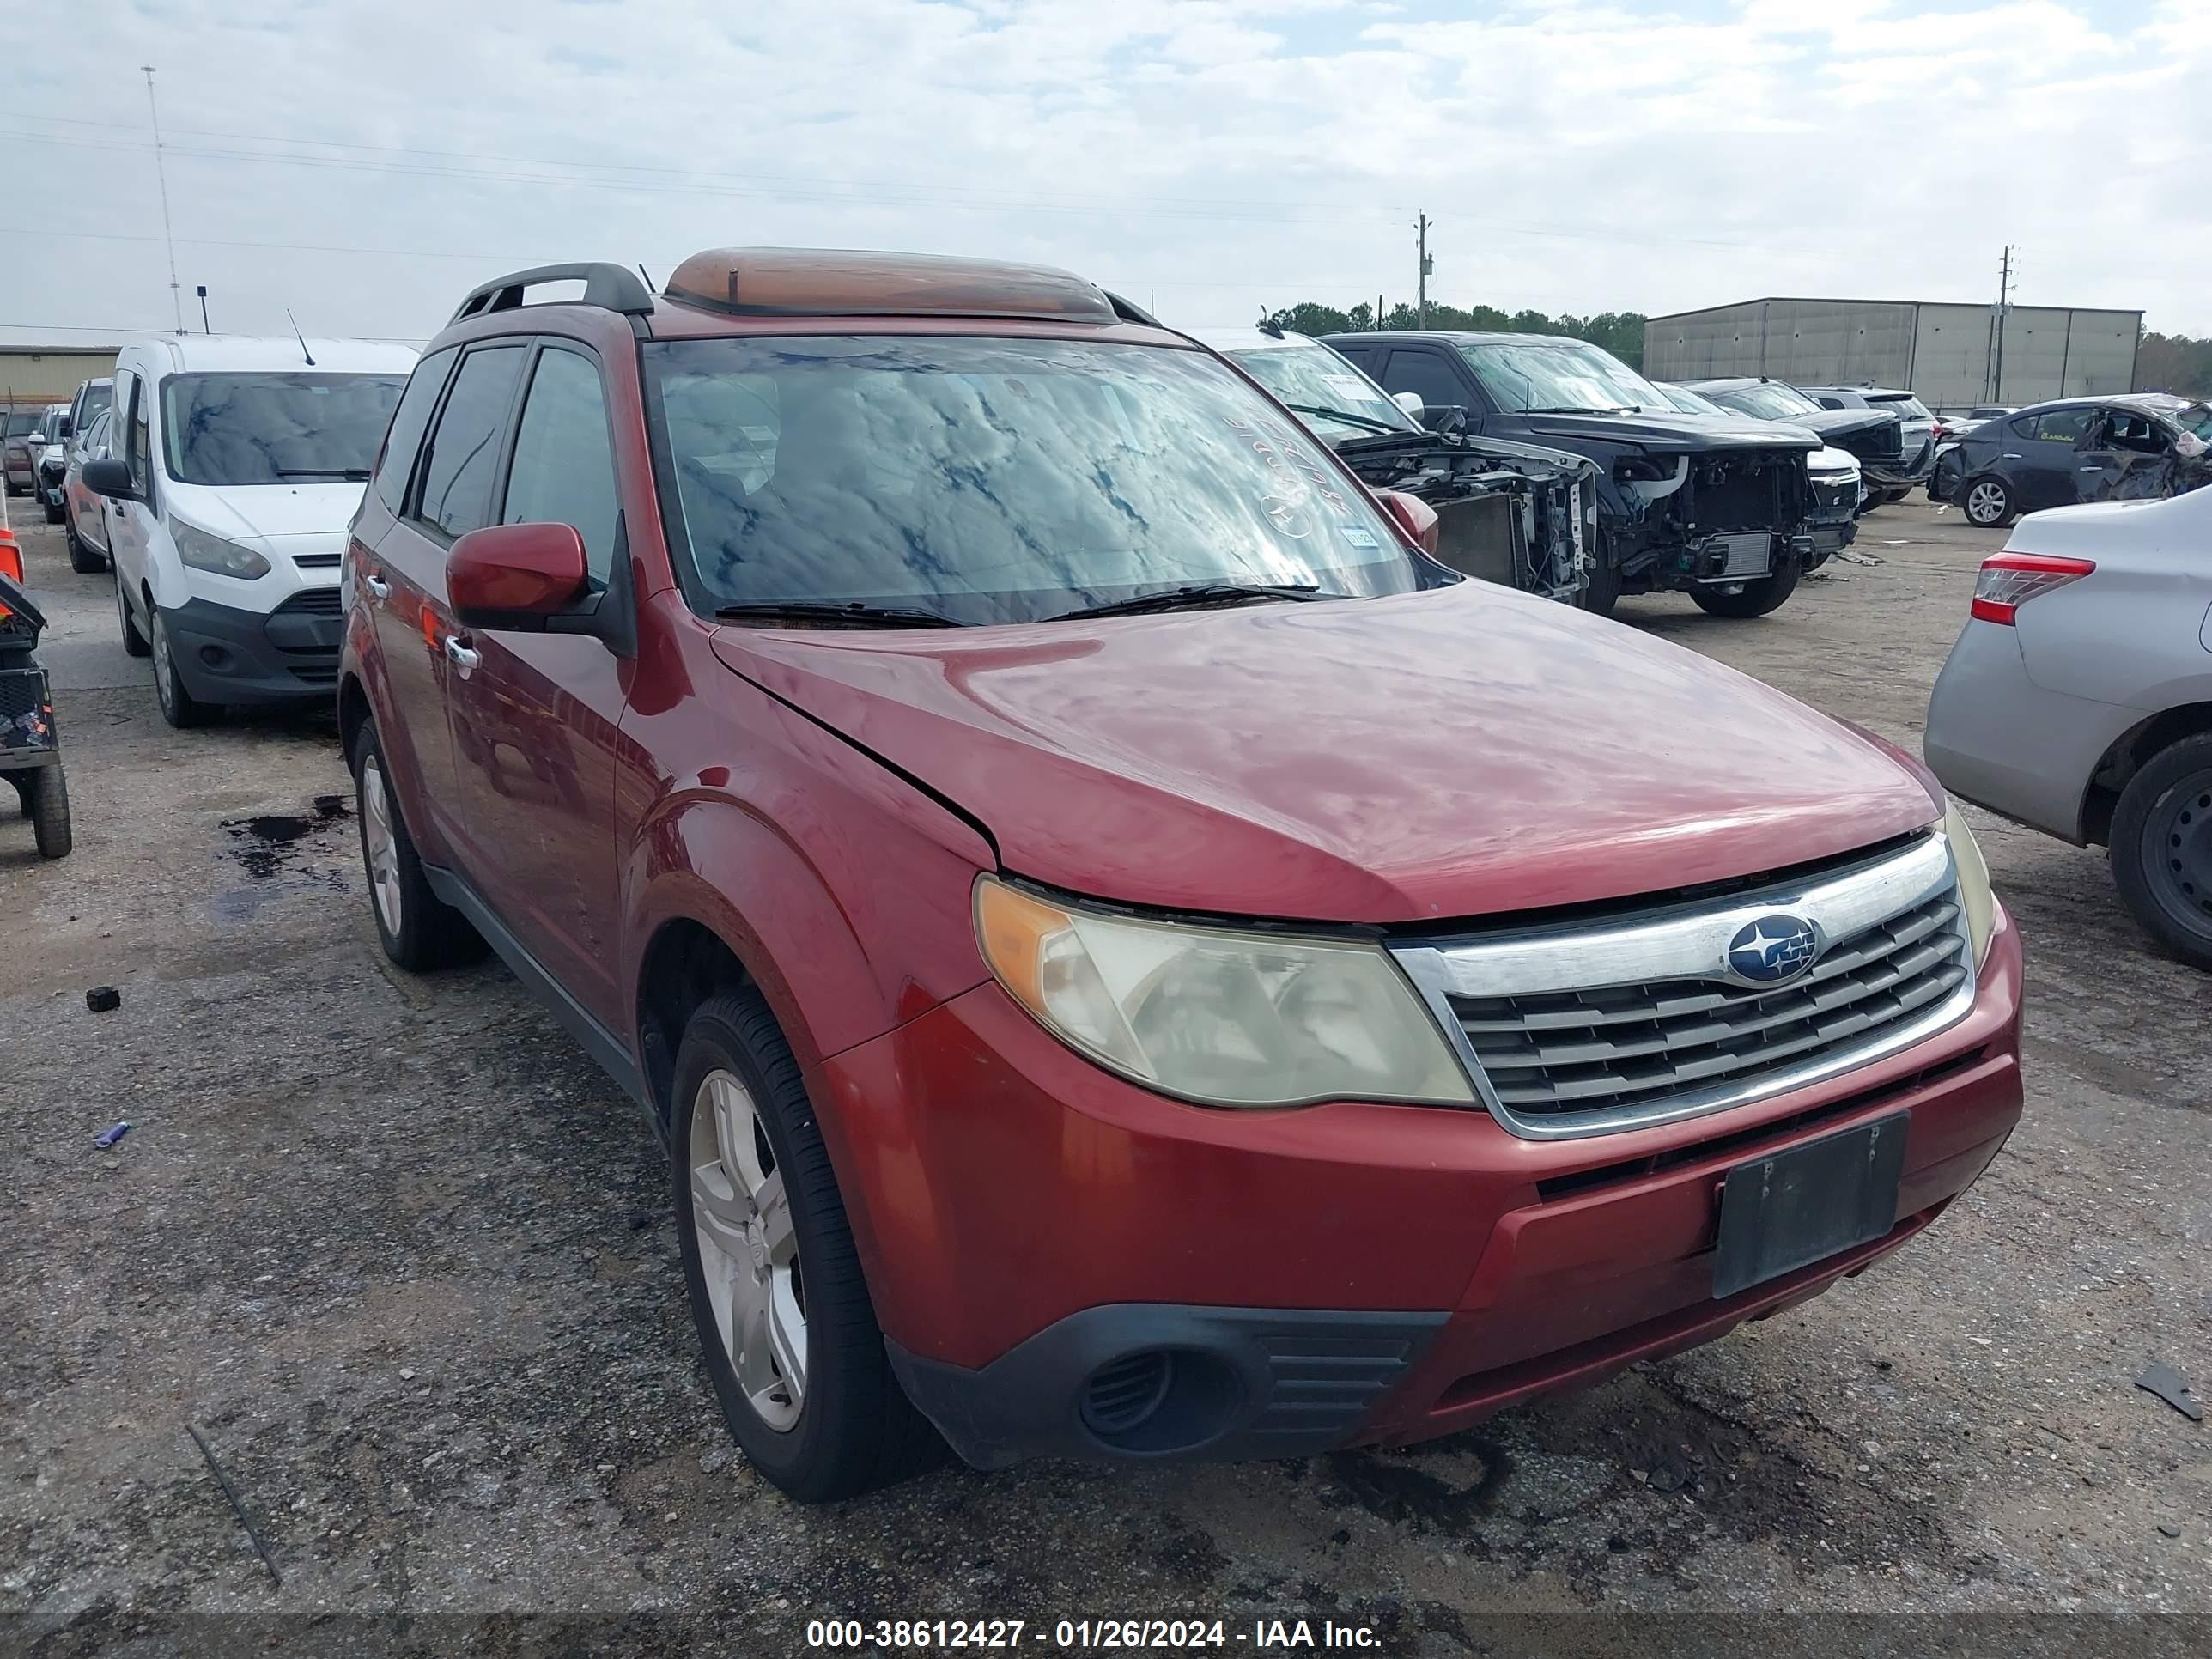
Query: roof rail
[(609, 287)]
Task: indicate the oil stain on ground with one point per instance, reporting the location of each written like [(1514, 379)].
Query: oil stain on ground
[(282, 852)]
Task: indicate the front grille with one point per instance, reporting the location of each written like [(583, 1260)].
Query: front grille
[(1604, 1051), (1835, 501), (1736, 492), (1584, 1026), (313, 602), (318, 562), (316, 674)]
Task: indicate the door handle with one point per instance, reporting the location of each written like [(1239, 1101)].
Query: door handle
[(464, 659), (2092, 467), (378, 591)]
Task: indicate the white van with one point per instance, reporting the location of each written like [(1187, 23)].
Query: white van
[(236, 467)]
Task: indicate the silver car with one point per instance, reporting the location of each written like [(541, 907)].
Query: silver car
[(2078, 700), (85, 514)]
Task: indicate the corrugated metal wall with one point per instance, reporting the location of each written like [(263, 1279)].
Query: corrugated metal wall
[(28, 376), (1940, 351)]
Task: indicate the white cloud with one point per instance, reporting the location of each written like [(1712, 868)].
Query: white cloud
[(1206, 156)]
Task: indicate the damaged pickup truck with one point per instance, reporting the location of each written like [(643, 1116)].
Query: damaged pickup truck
[(1508, 512), (1721, 511)]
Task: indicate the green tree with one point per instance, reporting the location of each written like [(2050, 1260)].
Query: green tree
[(2174, 362), (1620, 332)]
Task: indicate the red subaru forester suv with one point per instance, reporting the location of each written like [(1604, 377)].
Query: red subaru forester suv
[(1129, 956)]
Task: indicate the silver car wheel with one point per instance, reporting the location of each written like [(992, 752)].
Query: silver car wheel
[(1985, 503), (381, 845), (748, 1250), (164, 686)]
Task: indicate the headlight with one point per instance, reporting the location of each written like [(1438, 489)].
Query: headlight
[(1974, 894), (204, 552), (1225, 1018)]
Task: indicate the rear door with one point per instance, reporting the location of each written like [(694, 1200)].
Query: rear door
[(2043, 475), (446, 494), (535, 716)]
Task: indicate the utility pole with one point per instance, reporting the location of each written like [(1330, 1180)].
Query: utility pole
[(161, 173), (2004, 304), (1421, 246)]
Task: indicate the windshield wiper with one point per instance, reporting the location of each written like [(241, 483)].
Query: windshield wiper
[(351, 474), (856, 611), (1586, 409), (1192, 596), (1346, 416)]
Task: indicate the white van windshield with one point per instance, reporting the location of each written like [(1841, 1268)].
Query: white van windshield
[(275, 427)]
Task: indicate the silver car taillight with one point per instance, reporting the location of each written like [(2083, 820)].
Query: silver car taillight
[(2009, 580)]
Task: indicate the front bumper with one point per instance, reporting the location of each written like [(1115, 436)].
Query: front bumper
[(1344, 1273), (1902, 473), (229, 654)]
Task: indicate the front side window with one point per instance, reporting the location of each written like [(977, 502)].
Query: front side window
[(275, 427), (396, 460), (1331, 396), (95, 438), (564, 464), (1559, 376), (138, 449), (993, 481), (463, 453), (1428, 375), (94, 404)]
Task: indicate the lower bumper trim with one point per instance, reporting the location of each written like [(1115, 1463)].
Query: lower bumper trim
[(1245, 1383)]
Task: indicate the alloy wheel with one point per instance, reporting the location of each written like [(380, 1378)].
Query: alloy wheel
[(381, 845), (164, 686), (1985, 503), (748, 1250)]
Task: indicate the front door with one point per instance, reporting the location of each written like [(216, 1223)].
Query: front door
[(130, 524), (2120, 457), (534, 716)]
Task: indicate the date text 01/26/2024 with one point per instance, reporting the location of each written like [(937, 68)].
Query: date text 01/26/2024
[(1085, 1635)]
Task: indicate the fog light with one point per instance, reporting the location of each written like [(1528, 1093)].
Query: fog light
[(215, 656)]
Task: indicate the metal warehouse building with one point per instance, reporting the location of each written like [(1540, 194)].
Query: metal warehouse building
[(1952, 356), (37, 374)]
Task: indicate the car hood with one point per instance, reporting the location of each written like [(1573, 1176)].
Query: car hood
[(1521, 457), (1834, 423), (1454, 753), (1670, 431), (266, 510)]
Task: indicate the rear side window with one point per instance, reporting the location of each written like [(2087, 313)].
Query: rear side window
[(1908, 409), (409, 422), (463, 455), (2062, 426), (563, 470)]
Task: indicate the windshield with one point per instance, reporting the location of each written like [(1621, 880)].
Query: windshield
[(1768, 402), (275, 428), (1557, 374), (1689, 402), (1906, 408), (23, 421), (1307, 375), (993, 481)]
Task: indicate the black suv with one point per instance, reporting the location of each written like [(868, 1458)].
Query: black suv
[(1719, 511)]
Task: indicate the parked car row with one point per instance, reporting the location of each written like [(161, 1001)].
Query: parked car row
[(31, 455)]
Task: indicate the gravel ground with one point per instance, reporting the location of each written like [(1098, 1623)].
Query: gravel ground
[(400, 1254)]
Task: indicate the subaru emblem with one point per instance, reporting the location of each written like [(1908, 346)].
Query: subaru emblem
[(1771, 950)]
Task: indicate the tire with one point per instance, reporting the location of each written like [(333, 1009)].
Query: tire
[(25, 791), (1758, 599), (1987, 501), (419, 931), (2161, 849), (179, 705), (776, 1244), (133, 642), (50, 812), (82, 559), (1602, 591), (54, 515)]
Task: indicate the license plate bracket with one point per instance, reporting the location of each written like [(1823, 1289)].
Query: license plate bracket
[(1802, 1205)]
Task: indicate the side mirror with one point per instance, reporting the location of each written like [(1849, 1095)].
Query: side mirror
[(519, 578), (1412, 515), (110, 478), (1408, 401), (67, 430)]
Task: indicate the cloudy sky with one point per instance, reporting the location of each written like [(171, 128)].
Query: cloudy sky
[(365, 164)]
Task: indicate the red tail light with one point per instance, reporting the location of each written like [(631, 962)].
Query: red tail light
[(2009, 580)]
